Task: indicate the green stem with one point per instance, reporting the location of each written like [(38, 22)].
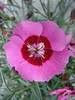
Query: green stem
[(39, 91), (4, 81), (45, 16), (43, 7)]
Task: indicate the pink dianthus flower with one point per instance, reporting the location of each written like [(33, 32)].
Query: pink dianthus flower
[(37, 50)]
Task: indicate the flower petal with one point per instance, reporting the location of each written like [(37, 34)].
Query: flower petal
[(58, 91), (12, 50), (28, 28), (68, 38), (55, 34), (63, 97), (45, 72)]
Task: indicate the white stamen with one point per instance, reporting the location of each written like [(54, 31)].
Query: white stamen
[(36, 50), (30, 55), (31, 48), (41, 46)]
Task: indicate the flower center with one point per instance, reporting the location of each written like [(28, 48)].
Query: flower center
[(36, 50)]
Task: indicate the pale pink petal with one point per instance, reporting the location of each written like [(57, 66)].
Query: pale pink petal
[(58, 91), (68, 38), (55, 35), (60, 59), (27, 28), (12, 50), (32, 72), (63, 98), (47, 71), (63, 93)]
